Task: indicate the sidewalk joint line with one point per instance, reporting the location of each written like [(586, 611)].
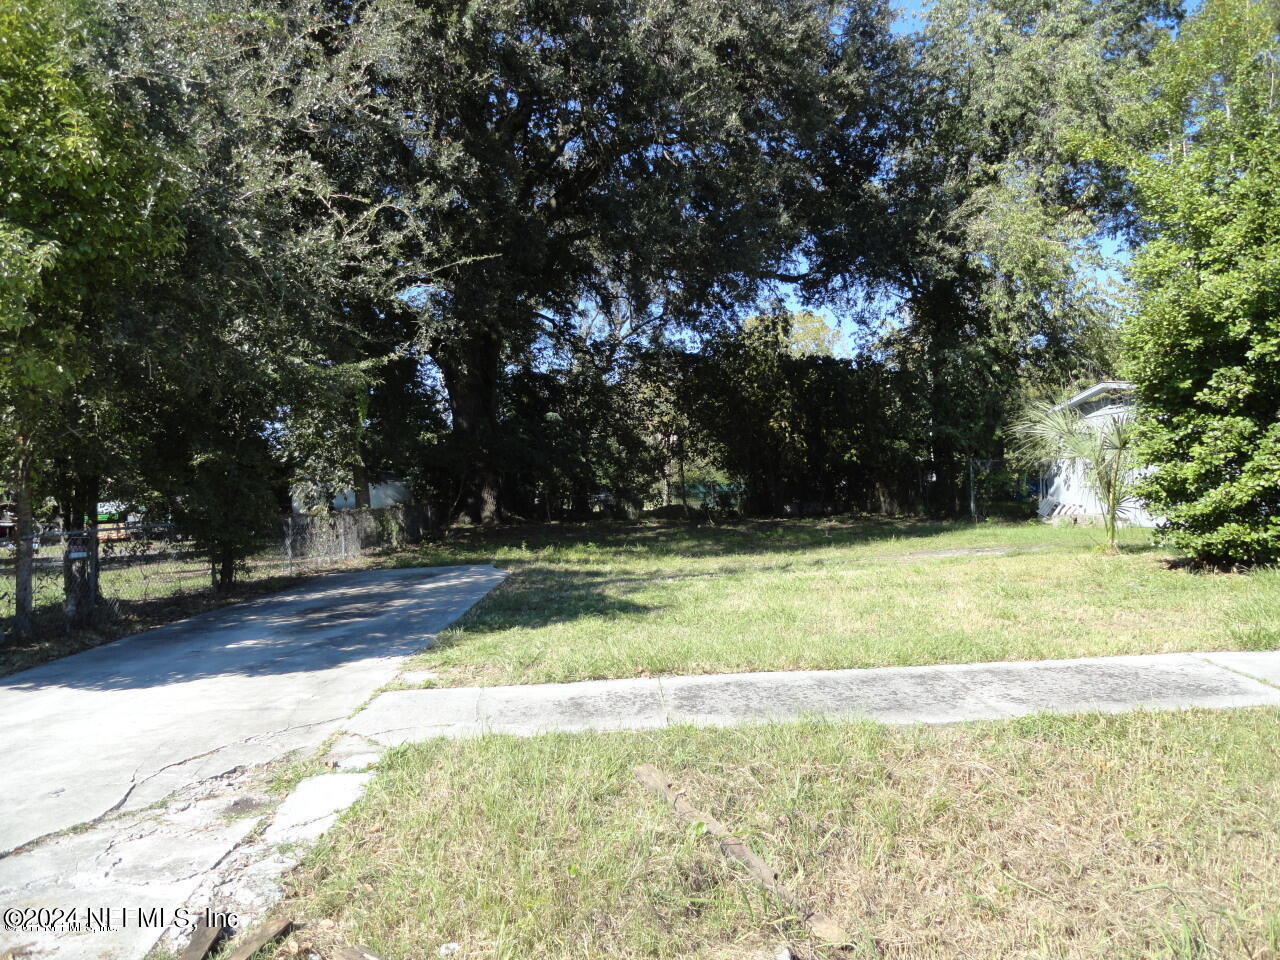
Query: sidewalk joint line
[(1204, 658)]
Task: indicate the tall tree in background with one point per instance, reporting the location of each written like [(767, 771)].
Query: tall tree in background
[(244, 352), (993, 210), (561, 154), (1204, 159), (87, 204)]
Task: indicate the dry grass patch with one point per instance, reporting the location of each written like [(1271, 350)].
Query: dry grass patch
[(1138, 836)]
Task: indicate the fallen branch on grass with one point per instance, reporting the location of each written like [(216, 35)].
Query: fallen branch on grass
[(202, 941), (259, 937), (822, 927)]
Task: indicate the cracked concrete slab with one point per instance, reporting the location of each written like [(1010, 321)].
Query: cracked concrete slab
[(351, 752), (358, 761), (1261, 665), (141, 745), (125, 724), (313, 806), (249, 881), (403, 715), (350, 744), (222, 845), (142, 859)]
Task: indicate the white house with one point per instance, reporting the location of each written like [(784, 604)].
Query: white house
[(1064, 489), (385, 494)]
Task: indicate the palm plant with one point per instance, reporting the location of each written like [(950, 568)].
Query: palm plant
[(1104, 448)]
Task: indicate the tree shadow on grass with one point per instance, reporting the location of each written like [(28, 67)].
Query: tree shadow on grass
[(540, 597), (681, 540), (328, 622), (573, 571)]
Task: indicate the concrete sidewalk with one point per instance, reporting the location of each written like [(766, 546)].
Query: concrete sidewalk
[(937, 694), (219, 841)]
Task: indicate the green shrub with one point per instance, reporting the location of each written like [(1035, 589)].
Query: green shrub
[(1205, 345)]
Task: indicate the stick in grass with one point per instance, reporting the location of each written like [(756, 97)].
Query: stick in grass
[(202, 941), (824, 928), (256, 939)]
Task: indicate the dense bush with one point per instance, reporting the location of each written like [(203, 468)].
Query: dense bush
[(1205, 346)]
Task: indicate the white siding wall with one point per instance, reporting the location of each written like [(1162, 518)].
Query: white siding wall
[(1067, 492), (380, 495)]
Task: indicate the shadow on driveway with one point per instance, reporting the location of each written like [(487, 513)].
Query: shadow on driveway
[(332, 620), (128, 723)]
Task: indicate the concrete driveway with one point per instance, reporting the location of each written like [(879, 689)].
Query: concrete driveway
[(126, 724)]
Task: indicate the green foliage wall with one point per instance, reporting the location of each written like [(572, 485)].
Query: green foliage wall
[(1205, 345), (499, 250), (84, 204), (806, 430)]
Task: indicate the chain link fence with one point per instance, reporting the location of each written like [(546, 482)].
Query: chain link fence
[(1001, 489), (147, 572)]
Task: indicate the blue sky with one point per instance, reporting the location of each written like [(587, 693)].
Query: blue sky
[(910, 17), (909, 12)]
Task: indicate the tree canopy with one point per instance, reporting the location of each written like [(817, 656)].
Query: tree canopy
[(531, 257)]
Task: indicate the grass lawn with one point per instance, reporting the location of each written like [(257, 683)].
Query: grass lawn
[(1108, 837), (587, 602)]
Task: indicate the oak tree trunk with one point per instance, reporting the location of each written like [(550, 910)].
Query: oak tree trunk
[(470, 368), (360, 484), (223, 571)]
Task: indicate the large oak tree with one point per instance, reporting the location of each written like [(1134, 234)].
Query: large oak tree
[(560, 153)]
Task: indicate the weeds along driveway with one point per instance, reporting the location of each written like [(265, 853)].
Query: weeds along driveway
[(126, 724)]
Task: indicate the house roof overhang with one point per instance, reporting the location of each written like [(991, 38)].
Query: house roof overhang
[(1097, 390)]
